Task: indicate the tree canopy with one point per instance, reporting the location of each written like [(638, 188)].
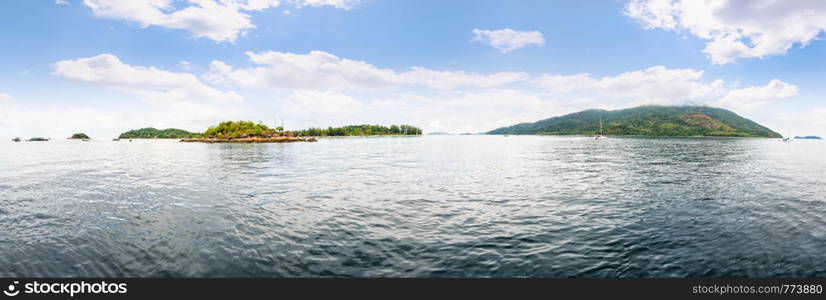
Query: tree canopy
[(152, 133), (241, 129), (361, 130)]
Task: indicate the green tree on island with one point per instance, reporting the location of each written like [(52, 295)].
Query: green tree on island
[(361, 130), (239, 129)]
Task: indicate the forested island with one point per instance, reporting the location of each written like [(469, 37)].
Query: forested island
[(361, 130), (79, 136), (677, 121), (250, 132), (152, 133), (245, 132)]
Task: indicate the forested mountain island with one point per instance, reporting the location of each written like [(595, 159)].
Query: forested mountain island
[(152, 133), (681, 121)]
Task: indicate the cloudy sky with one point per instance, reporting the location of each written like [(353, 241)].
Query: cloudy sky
[(106, 66)]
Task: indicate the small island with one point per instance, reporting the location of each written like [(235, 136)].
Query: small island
[(808, 137), (152, 133), (79, 136), (245, 132)]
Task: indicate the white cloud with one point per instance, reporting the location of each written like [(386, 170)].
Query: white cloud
[(312, 103), (736, 28), (218, 20), (507, 40), (654, 85), (316, 70), (61, 2), (221, 21), (325, 71), (340, 4), (4, 97), (747, 99), (455, 79), (150, 82)]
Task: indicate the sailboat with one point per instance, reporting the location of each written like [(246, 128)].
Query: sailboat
[(601, 134), (788, 138)]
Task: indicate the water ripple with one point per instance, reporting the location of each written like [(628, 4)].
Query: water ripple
[(470, 206)]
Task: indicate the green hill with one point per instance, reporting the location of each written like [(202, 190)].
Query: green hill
[(647, 121), (152, 133)]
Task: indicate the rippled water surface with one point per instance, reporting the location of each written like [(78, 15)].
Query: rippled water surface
[(434, 206)]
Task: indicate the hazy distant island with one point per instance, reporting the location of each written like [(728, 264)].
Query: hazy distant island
[(439, 133), (808, 137), (152, 133), (675, 121), (79, 136)]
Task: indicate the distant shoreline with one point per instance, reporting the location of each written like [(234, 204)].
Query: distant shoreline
[(644, 136)]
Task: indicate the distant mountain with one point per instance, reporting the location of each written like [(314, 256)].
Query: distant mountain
[(647, 121), (439, 133), (152, 133), (809, 137)]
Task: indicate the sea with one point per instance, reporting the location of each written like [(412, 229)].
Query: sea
[(425, 206)]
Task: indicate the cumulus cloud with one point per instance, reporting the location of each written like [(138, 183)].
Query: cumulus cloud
[(663, 86), (507, 40), (218, 20), (315, 70), (736, 28), (747, 99), (325, 71), (454, 79), (321, 103), (153, 83), (654, 85)]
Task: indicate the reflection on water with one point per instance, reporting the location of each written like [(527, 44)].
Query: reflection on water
[(457, 206)]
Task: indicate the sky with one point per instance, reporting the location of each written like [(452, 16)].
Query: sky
[(107, 66)]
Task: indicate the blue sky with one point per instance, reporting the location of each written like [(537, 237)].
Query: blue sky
[(106, 66)]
